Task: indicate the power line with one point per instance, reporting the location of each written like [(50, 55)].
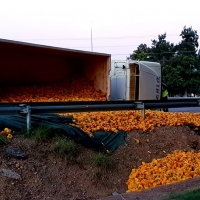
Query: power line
[(99, 38), (103, 46), (169, 52), (161, 53), (121, 46), (108, 46)]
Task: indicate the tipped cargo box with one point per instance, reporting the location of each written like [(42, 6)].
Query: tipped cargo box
[(31, 72), (135, 80)]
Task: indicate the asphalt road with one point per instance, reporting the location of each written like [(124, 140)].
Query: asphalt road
[(187, 109)]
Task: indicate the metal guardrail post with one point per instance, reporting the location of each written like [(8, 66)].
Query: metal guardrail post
[(141, 106), (26, 110)]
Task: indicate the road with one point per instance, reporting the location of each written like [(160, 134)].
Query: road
[(187, 109)]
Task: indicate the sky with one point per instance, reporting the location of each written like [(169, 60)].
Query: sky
[(115, 27)]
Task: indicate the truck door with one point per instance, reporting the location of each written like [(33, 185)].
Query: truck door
[(134, 82), (118, 82)]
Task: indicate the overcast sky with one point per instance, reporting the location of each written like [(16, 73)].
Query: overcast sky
[(118, 26)]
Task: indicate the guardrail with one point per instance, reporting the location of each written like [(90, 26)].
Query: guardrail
[(91, 106)]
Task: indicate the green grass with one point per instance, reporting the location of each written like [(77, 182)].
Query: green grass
[(65, 148), (189, 195), (104, 163), (103, 160), (3, 140), (41, 133)]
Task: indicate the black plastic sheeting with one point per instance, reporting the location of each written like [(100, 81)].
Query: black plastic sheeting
[(102, 141)]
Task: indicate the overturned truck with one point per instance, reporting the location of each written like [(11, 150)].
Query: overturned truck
[(38, 73)]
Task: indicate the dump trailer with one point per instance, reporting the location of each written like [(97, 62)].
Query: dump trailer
[(135, 80), (39, 73), (26, 68)]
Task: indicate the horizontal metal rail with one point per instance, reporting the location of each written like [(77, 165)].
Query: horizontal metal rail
[(92, 106), (29, 108)]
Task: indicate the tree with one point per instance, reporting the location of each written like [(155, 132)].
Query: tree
[(181, 75), (172, 76), (180, 63), (162, 50), (186, 62), (189, 43), (141, 53)]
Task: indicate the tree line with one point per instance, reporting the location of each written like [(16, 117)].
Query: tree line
[(180, 62)]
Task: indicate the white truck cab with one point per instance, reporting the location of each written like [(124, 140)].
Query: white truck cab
[(135, 80)]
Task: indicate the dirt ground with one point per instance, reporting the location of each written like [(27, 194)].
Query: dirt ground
[(44, 176)]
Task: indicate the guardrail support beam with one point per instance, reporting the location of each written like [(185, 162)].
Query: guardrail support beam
[(140, 106), (26, 110)]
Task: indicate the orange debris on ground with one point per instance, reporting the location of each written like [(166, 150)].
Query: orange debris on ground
[(131, 120), (173, 168), (7, 133)]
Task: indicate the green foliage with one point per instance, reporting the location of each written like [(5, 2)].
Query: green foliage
[(189, 43), (65, 149), (173, 78), (161, 49), (181, 74), (142, 53), (184, 66), (180, 63), (191, 195)]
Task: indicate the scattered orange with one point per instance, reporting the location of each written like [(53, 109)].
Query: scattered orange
[(175, 167)]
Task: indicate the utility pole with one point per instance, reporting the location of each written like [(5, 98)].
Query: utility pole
[(91, 39)]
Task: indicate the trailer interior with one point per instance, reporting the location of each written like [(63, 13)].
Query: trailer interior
[(32, 72)]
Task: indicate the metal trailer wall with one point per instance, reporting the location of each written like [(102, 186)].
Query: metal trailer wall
[(24, 63)]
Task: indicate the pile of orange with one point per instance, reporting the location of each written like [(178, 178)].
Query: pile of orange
[(128, 121), (175, 167), (79, 89)]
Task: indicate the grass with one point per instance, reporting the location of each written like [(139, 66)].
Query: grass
[(3, 140), (65, 148), (41, 133), (189, 195), (61, 146), (104, 163), (103, 160)]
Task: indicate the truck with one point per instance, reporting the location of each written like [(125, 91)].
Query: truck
[(135, 80), (26, 64)]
